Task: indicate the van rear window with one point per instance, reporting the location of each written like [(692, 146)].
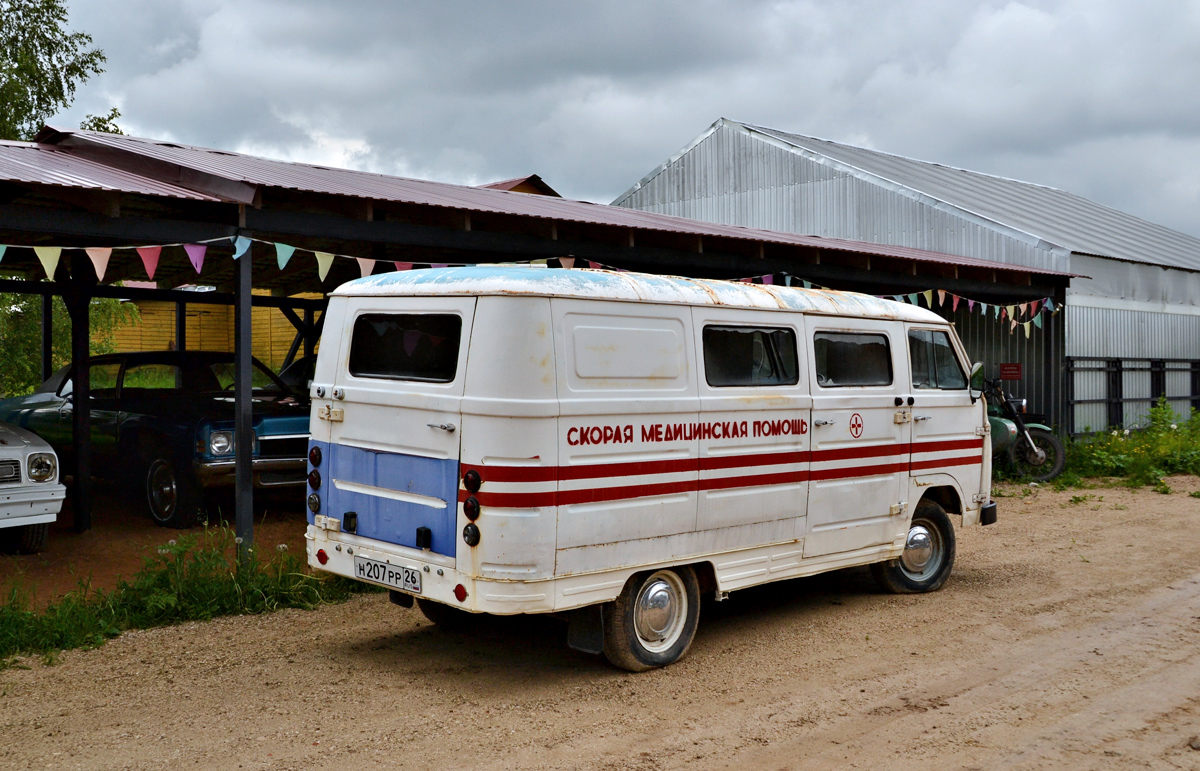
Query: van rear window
[(406, 346), (852, 359), (750, 356)]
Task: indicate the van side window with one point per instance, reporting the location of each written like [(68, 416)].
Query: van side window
[(406, 346), (852, 359), (750, 356), (934, 364)]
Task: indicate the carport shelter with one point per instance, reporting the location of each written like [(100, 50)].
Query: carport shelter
[(81, 211)]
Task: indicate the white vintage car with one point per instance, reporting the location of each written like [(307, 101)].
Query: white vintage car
[(30, 492)]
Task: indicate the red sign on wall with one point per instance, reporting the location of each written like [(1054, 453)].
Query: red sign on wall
[(1010, 371)]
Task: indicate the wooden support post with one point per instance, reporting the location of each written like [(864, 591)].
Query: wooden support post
[(243, 415), (78, 300), (47, 337), (181, 326)]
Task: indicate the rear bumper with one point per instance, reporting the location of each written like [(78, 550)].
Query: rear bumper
[(269, 473), (30, 505)]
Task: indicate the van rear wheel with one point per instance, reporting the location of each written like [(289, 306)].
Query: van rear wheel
[(653, 621), (928, 554)]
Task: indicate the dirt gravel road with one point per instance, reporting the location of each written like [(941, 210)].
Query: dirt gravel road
[(1067, 637)]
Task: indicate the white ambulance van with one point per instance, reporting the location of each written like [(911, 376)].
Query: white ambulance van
[(611, 446)]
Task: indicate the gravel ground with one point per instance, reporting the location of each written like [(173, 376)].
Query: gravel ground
[(1068, 636)]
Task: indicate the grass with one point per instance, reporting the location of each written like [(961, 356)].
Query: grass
[(1140, 457), (193, 579)]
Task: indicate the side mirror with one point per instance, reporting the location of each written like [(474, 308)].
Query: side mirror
[(976, 381)]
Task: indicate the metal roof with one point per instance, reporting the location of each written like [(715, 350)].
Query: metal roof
[(628, 287), (265, 172), (1056, 216), (26, 162)]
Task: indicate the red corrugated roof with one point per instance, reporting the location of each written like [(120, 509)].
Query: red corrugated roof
[(360, 184)]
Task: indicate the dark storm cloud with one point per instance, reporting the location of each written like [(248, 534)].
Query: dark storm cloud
[(1093, 97)]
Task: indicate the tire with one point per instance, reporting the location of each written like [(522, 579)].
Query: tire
[(172, 496), (31, 539), (653, 621), (1027, 467), (928, 554), (446, 617)]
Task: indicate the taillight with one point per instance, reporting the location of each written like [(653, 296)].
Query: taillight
[(314, 455), (314, 502), (460, 593), (322, 557), (471, 508), (314, 479), (472, 481)]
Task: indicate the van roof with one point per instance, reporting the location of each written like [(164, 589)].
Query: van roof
[(593, 284)]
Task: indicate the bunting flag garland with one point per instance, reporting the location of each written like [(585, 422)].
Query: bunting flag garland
[(241, 245), (1026, 325), (403, 265), (954, 303), (808, 285), (3, 248), (912, 299), (928, 298), (195, 253), (971, 306), (48, 256), (149, 255), (283, 253), (99, 256), (1050, 305), (1037, 321), (941, 297), (365, 266), (324, 261)]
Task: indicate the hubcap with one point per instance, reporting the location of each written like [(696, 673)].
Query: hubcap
[(660, 611), (160, 489), (923, 551)]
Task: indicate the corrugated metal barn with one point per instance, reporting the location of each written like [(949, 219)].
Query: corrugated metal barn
[(1131, 328)]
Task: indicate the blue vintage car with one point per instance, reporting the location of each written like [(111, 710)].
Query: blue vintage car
[(163, 428)]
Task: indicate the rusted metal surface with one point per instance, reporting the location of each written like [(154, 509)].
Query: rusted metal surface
[(26, 162), (628, 287), (265, 172)]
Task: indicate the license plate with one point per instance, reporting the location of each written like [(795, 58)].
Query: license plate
[(395, 576)]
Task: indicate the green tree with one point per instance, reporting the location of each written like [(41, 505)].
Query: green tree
[(103, 122), (21, 331), (41, 63)]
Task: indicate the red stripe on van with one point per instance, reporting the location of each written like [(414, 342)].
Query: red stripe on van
[(959, 444), (969, 460), (857, 471)]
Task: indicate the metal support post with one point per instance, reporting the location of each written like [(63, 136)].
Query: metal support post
[(78, 301), (244, 418)]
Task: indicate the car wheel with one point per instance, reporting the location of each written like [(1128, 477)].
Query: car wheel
[(171, 495), (446, 617), (653, 621), (31, 539), (928, 554)]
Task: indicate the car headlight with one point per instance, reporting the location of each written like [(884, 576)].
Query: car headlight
[(42, 466), (220, 442)]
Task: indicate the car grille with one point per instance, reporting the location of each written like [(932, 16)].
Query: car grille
[(282, 446), (10, 471)]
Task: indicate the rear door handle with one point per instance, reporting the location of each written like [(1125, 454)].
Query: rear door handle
[(922, 417), (824, 422), (450, 427)]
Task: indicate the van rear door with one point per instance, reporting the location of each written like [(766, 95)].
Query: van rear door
[(860, 434), (394, 449)]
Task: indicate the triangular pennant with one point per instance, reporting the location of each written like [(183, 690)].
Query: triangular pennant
[(283, 253), (808, 285), (149, 255), (928, 298), (567, 262), (538, 262), (1012, 311), (1024, 308), (1003, 314), (49, 258), (1026, 325), (898, 298), (241, 245), (954, 302), (1049, 305), (324, 260), (971, 306), (983, 308), (941, 297), (787, 278), (403, 265), (912, 298), (996, 311), (195, 253), (3, 249), (768, 280), (1037, 321), (99, 256), (365, 266), (1012, 326)]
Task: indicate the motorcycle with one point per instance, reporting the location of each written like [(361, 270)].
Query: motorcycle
[(1034, 452)]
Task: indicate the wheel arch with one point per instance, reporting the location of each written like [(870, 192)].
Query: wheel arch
[(946, 496)]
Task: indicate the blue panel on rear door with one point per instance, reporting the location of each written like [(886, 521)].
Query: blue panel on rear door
[(381, 517)]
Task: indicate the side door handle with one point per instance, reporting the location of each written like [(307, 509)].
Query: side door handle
[(824, 422), (922, 417), (448, 427)]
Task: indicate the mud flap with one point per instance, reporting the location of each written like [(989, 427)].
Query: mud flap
[(585, 629), (987, 515)]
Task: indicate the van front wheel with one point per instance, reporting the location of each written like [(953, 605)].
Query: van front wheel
[(653, 621), (928, 554)]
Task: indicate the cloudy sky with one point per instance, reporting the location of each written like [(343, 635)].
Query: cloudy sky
[(1097, 97)]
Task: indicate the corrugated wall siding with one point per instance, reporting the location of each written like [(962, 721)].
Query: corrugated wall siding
[(734, 178)]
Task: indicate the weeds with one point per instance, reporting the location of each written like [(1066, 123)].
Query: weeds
[(1142, 457), (193, 579)]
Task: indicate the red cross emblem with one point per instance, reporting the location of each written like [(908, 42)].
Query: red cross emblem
[(856, 425)]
